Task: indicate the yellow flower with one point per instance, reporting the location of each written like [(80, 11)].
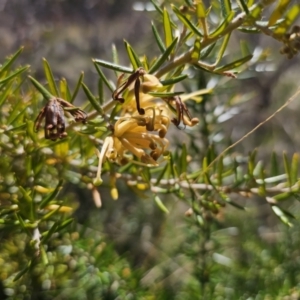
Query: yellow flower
[(137, 136), (150, 83)]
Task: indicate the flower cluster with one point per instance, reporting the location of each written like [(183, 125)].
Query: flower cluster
[(53, 113), (139, 133), (291, 42)]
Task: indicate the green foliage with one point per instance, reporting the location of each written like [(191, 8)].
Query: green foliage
[(123, 138)]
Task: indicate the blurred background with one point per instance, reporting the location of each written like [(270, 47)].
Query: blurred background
[(254, 256)]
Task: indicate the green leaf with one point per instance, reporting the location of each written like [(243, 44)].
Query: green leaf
[(287, 168), (290, 17), (162, 174), (23, 272), (200, 10), (226, 198), (244, 48), (92, 99), (50, 78), (278, 11), (235, 64), (100, 91), (65, 224), (225, 7), (49, 233), (173, 80), (222, 48), (26, 197), (112, 66), (294, 168), (43, 255), (164, 95), (160, 205), (103, 77), (283, 196), (133, 57), (163, 57), (167, 28), (187, 22), (206, 51), (222, 26), (22, 223), (51, 196), (220, 168), (251, 162), (195, 56), (243, 6), (115, 55), (158, 39), (274, 165), (183, 159), (10, 60), (40, 88), (64, 90), (49, 214), (17, 112), (14, 74), (284, 216), (7, 91), (157, 7), (78, 85)]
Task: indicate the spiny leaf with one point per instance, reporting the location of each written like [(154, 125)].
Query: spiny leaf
[(187, 22), (167, 28), (157, 7), (287, 168), (92, 99), (65, 224), (243, 6), (115, 55), (133, 57), (162, 174), (23, 272), (64, 89), (206, 51), (50, 78), (52, 195), (294, 168), (225, 7), (40, 88), (200, 10), (103, 77), (78, 85), (290, 17), (222, 26), (274, 164), (223, 48), (278, 11), (165, 95), (163, 57), (283, 215), (183, 159), (160, 204), (195, 56), (283, 196), (10, 60), (173, 80), (100, 91), (112, 66), (158, 39), (14, 74), (235, 64)]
